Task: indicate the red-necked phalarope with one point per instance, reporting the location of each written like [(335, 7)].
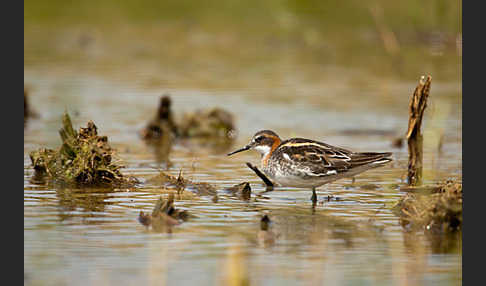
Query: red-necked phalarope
[(306, 163)]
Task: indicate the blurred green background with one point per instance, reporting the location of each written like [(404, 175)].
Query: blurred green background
[(238, 43)]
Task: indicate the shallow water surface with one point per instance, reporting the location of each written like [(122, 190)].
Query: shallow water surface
[(92, 236)]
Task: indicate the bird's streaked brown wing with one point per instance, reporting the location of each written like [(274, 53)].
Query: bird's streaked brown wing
[(321, 159)]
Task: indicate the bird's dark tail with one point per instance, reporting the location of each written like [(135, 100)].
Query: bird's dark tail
[(370, 158)]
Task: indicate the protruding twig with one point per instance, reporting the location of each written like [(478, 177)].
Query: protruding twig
[(417, 106)]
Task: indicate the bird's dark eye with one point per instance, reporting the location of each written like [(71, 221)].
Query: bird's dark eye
[(259, 139)]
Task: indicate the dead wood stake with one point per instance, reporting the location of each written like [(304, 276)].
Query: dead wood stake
[(414, 136)]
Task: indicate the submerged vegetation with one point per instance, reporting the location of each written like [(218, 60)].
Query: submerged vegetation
[(436, 209), (84, 159), (438, 212)]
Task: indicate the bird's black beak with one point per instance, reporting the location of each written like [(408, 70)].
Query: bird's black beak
[(247, 147)]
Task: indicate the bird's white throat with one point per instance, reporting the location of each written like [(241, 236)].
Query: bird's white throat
[(263, 149)]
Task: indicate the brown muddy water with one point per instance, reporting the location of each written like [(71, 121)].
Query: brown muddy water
[(92, 236)]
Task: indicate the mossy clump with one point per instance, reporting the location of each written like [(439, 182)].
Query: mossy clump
[(84, 159), (164, 215), (210, 123), (437, 212)]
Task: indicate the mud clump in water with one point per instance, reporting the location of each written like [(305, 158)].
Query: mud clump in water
[(181, 184), (164, 215), (214, 123), (212, 128), (436, 212), (163, 123), (211, 123), (161, 131), (84, 159), (242, 191)]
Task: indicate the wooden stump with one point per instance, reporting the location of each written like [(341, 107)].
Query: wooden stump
[(417, 106)]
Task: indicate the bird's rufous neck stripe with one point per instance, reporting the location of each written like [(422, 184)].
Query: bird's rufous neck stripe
[(276, 143)]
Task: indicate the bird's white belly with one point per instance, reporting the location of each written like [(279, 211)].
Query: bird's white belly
[(288, 180)]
